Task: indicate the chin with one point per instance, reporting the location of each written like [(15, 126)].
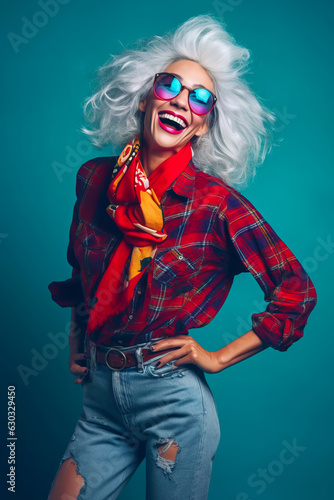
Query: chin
[(170, 141)]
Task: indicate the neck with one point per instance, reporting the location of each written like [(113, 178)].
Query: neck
[(151, 158)]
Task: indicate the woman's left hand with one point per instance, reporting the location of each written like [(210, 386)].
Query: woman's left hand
[(189, 351)]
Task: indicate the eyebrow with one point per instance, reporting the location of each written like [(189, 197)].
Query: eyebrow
[(197, 85)]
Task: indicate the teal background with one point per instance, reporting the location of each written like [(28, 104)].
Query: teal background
[(262, 402)]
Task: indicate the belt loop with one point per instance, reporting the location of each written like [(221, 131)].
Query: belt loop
[(86, 344), (139, 358), (92, 356)]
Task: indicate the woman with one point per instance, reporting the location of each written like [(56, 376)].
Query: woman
[(156, 239)]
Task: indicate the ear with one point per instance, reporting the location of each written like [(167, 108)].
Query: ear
[(142, 105)]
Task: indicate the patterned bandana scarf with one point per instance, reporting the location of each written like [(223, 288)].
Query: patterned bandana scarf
[(135, 207)]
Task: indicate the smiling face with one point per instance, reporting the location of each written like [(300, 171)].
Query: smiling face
[(169, 125)]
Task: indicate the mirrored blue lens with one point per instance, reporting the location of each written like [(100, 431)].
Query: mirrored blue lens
[(201, 100), (167, 87)]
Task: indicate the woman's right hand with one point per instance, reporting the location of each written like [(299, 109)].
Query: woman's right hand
[(78, 358), (76, 368)]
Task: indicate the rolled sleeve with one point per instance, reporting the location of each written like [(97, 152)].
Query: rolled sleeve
[(69, 293), (256, 248)]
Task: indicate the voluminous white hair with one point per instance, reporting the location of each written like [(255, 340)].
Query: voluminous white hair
[(239, 134)]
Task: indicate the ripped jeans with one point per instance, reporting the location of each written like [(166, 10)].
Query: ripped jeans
[(165, 415)]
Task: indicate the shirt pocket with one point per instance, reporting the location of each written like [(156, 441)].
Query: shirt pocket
[(91, 246), (178, 266)]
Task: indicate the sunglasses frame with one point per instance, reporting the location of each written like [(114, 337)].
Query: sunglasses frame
[(183, 87)]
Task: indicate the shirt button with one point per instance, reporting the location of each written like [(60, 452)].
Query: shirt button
[(130, 317), (139, 292), (180, 257), (119, 341)]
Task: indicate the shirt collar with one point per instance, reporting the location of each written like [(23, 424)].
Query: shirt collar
[(184, 184)]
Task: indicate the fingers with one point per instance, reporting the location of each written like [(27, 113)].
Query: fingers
[(177, 341), (78, 356), (78, 369), (79, 380), (184, 342), (178, 355), (184, 360), (81, 370)]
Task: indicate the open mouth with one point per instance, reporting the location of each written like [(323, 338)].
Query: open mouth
[(171, 123)]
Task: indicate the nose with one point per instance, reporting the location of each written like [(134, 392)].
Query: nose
[(181, 100)]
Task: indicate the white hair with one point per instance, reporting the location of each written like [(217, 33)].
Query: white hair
[(239, 135)]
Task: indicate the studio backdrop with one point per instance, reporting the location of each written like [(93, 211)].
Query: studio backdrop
[(276, 408)]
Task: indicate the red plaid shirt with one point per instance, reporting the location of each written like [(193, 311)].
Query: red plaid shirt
[(214, 233)]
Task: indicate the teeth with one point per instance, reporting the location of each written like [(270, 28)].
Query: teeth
[(174, 118)]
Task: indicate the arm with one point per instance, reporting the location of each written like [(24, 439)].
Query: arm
[(191, 351), (69, 293), (248, 243), (254, 247), (241, 348), (76, 342), (77, 333)]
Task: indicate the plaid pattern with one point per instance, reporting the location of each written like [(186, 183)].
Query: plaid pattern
[(214, 233)]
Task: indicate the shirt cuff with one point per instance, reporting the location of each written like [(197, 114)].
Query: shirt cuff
[(67, 293), (279, 335)]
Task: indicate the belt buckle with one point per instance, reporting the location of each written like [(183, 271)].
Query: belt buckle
[(118, 352)]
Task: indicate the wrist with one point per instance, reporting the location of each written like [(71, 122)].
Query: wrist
[(76, 342), (220, 360)]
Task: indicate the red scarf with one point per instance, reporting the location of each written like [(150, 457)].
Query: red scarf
[(135, 207)]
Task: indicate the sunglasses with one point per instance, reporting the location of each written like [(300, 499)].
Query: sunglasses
[(166, 86)]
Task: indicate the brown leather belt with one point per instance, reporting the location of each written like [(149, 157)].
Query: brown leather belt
[(118, 359)]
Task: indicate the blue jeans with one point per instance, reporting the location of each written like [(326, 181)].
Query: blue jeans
[(130, 415)]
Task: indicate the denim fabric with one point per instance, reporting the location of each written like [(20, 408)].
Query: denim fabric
[(129, 415)]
